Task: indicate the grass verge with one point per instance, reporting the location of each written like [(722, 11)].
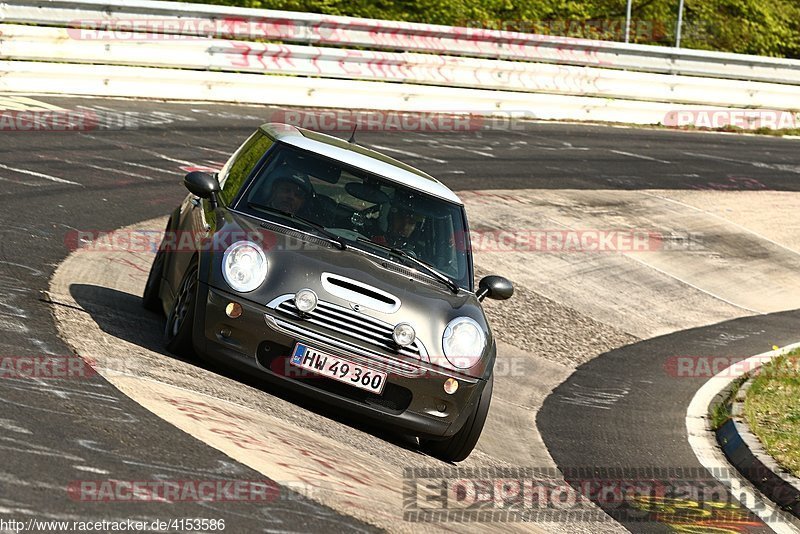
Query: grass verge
[(721, 411), (772, 409)]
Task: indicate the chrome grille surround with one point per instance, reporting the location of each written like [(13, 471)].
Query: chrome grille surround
[(350, 323), (355, 353)]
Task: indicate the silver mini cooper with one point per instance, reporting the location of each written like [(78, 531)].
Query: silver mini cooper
[(339, 272)]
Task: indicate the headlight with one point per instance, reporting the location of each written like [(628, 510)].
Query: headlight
[(463, 342), (244, 266)]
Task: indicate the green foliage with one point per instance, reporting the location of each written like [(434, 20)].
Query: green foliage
[(772, 409), (744, 26)]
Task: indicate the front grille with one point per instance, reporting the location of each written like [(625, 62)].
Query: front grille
[(353, 324)]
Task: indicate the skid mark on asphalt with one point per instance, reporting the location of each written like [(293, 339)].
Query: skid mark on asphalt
[(29, 446), (127, 146), (12, 426), (12, 314), (184, 165), (105, 405), (592, 397)]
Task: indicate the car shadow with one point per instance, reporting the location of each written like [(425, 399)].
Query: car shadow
[(121, 315)]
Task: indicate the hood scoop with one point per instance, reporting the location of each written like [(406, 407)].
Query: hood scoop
[(360, 294)]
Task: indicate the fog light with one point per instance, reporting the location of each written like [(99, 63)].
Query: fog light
[(305, 300), (450, 386), (404, 334), (233, 310)]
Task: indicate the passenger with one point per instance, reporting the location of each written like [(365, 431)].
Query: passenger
[(402, 222)]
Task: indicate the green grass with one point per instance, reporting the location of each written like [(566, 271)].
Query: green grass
[(721, 412), (772, 409)]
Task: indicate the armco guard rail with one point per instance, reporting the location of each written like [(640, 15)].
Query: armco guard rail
[(143, 48), (32, 43), (307, 28)]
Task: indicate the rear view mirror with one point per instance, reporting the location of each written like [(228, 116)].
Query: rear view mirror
[(495, 287), (201, 184)]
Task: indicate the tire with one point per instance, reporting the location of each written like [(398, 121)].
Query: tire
[(150, 299), (457, 447), (178, 330)]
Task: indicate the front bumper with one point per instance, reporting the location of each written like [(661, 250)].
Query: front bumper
[(262, 340)]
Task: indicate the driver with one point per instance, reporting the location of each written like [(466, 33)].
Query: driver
[(402, 222), (291, 191)]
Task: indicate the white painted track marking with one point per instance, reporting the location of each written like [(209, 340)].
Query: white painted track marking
[(639, 156), (23, 103), (408, 153), (38, 175)]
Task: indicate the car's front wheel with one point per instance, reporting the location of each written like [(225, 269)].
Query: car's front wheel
[(460, 445), (178, 330)]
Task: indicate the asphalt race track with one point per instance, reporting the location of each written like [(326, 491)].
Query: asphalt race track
[(624, 410), (620, 409)]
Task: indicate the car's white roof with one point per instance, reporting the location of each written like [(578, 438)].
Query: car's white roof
[(361, 158)]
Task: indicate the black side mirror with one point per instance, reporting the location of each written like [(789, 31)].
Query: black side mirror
[(495, 287), (203, 185)]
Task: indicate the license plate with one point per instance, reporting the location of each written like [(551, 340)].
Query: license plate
[(338, 369)]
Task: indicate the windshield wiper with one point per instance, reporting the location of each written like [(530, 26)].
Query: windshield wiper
[(330, 236), (430, 269)]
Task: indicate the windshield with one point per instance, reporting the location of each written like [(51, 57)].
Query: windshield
[(362, 209)]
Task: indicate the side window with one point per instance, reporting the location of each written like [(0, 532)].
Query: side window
[(241, 164)]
